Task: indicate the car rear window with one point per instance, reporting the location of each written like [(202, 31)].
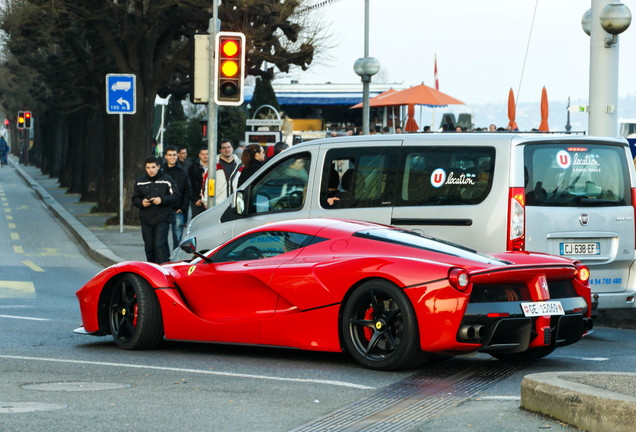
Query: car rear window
[(450, 175), (418, 241), (576, 175)]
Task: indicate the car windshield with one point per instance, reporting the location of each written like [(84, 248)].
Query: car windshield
[(576, 175), (418, 241)]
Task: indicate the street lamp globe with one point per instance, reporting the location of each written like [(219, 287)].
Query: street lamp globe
[(615, 18), (586, 21), (366, 66)]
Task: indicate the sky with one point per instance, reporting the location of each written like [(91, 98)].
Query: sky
[(480, 47)]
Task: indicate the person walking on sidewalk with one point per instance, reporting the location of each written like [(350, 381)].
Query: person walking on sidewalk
[(196, 173), (156, 194), (4, 151), (180, 212), (228, 170)]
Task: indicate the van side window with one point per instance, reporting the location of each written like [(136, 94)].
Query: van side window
[(358, 177), (445, 175), (282, 188), (576, 175)]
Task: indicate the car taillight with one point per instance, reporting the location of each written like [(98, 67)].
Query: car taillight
[(459, 279), (582, 272), (516, 220)]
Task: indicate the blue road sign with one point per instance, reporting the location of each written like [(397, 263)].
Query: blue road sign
[(120, 94)]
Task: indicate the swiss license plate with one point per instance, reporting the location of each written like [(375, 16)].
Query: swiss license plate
[(542, 308), (581, 248)]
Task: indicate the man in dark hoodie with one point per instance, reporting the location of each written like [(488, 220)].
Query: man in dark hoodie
[(180, 212), (156, 194)]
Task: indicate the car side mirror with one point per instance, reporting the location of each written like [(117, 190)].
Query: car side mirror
[(189, 245), (239, 202)]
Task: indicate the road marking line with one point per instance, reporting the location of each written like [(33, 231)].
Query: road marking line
[(7, 210), (5, 204), (33, 266), (502, 398), (195, 371), (9, 217), (12, 225), (18, 249), (599, 359), (15, 236), (16, 289), (24, 318)]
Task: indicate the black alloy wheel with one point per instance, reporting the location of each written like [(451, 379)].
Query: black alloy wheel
[(135, 314), (379, 327)]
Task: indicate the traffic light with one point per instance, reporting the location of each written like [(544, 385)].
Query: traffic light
[(229, 62), (27, 119), (20, 122), (6, 123)]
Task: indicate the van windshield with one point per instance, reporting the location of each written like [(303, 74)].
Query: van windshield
[(577, 175)]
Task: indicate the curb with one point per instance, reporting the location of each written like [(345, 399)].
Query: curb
[(93, 246), (595, 407)]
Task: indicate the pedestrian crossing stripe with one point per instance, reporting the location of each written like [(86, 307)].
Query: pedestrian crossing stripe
[(9, 217), (16, 289), (15, 236), (33, 266), (18, 249), (12, 225)]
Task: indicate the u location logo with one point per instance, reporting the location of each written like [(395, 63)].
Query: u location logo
[(563, 159), (438, 177)]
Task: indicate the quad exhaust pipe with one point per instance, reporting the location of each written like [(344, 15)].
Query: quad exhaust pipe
[(472, 332)]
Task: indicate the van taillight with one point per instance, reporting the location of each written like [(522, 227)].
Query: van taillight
[(516, 220), (634, 206)]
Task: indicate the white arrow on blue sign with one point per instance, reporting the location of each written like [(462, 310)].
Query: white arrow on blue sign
[(120, 94)]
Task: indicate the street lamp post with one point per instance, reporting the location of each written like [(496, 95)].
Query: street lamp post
[(603, 23), (366, 67)]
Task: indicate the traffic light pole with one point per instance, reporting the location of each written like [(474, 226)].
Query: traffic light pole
[(212, 110)]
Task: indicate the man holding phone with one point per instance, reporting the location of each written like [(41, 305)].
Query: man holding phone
[(156, 194)]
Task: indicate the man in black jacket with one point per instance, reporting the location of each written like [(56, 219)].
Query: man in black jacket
[(195, 173), (180, 212), (156, 194)]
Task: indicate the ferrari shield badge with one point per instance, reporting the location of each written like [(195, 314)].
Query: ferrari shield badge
[(191, 270)]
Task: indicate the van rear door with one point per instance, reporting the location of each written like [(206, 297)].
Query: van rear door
[(579, 205)]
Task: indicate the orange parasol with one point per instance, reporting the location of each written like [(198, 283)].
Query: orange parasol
[(544, 111), (511, 111), (410, 125), (376, 100), (419, 95)]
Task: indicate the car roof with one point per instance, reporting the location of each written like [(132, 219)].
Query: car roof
[(462, 138)]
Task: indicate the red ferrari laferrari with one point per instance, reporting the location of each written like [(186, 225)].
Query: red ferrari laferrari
[(386, 296)]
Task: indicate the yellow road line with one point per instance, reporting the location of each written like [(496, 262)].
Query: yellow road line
[(33, 266), (9, 217), (16, 289), (18, 249), (7, 210), (12, 225), (5, 204), (15, 236)]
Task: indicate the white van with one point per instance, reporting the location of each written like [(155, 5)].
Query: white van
[(564, 195)]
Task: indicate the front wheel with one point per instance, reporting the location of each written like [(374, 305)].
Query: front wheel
[(379, 328), (135, 314)]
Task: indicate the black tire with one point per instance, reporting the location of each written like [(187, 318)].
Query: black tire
[(379, 328), (134, 314), (531, 354)]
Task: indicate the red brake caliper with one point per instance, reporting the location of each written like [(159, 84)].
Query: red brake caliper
[(136, 311), (368, 315)]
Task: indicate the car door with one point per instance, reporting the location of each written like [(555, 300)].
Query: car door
[(233, 293)]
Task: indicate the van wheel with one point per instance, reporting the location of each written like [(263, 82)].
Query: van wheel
[(379, 328)]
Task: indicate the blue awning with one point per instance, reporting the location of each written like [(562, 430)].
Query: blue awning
[(303, 98)]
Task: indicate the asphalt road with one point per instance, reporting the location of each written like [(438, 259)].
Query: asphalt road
[(52, 379)]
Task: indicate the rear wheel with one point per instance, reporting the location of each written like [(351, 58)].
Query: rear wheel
[(134, 314), (379, 328)]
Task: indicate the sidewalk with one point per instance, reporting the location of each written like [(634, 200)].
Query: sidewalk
[(104, 244), (593, 401)]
